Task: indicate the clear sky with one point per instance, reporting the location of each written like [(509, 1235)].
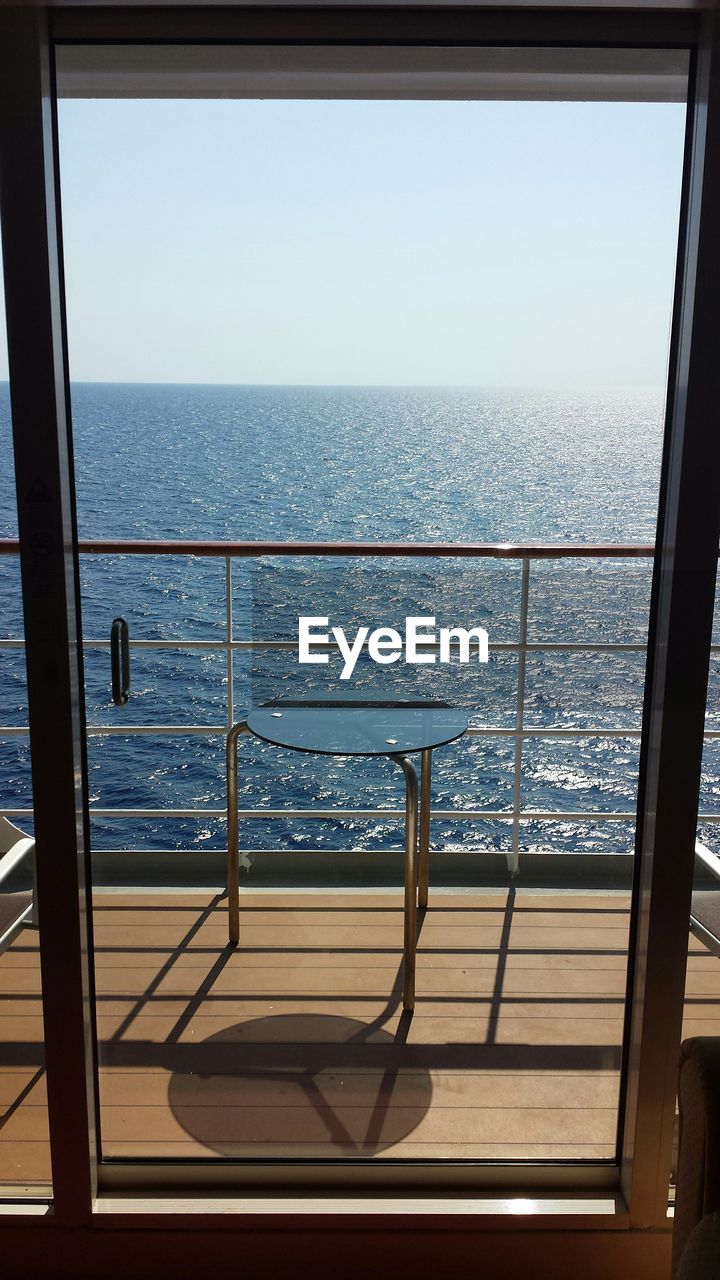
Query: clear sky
[(516, 244)]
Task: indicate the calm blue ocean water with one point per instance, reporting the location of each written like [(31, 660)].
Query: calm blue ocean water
[(204, 462)]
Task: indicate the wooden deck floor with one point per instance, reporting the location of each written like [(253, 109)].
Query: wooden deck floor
[(296, 1044)]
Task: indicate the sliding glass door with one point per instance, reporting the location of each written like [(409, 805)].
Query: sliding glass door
[(409, 308)]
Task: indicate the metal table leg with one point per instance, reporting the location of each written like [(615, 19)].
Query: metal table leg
[(424, 859), (233, 868), (411, 829), (411, 843)]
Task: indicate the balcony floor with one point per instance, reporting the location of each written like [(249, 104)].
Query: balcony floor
[(296, 1044)]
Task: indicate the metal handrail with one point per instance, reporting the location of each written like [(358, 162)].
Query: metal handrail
[(520, 731), (472, 550)]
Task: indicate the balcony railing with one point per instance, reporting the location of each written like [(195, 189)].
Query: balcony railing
[(228, 552)]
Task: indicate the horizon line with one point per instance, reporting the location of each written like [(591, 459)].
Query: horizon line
[(371, 386)]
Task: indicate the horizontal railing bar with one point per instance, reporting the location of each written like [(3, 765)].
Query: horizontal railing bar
[(447, 815), (236, 550), (214, 730), (392, 851), (479, 731), (532, 646), (331, 815), (539, 731), (501, 646), (291, 645), (110, 730)]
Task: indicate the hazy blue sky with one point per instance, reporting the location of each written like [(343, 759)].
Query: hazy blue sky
[(521, 244)]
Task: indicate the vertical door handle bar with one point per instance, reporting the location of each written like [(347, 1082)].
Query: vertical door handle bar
[(120, 661)]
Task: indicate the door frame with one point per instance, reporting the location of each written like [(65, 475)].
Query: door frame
[(684, 574)]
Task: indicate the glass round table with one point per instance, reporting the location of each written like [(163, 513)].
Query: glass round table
[(351, 727)]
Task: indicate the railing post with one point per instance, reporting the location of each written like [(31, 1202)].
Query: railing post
[(514, 854), (230, 701), (233, 865)]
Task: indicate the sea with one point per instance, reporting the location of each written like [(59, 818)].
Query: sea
[(357, 464)]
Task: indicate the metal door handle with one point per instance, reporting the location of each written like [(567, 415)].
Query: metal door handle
[(120, 661)]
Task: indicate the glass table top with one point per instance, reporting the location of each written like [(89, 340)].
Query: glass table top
[(332, 726)]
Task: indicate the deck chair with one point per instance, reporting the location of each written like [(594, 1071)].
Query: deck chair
[(705, 909), (16, 909)]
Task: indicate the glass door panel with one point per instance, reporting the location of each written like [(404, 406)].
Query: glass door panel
[(386, 297)]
